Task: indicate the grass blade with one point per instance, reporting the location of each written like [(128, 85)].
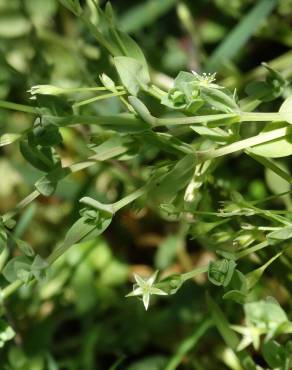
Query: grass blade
[(187, 344), (239, 36)]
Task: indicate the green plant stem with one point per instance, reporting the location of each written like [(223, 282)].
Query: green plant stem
[(3, 258), (69, 90), (144, 113), (252, 249), (96, 98), (244, 144), (193, 119), (240, 117), (18, 107), (128, 199), (194, 273), (259, 117), (10, 289), (27, 200)]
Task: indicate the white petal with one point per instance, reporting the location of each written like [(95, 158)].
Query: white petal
[(139, 280), (152, 278), (137, 291), (157, 291), (146, 299), (245, 342)]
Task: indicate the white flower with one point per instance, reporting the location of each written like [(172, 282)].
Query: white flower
[(145, 287), (251, 335), (206, 80)]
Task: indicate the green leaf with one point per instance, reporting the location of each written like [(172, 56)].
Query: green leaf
[(38, 268), (133, 74), (107, 82), (276, 148), (45, 134), (253, 277), (219, 99), (277, 236), (83, 230), (277, 184), (48, 183), (113, 147), (267, 90), (18, 268), (274, 354), (34, 156), (133, 50), (25, 247), (220, 272), (265, 314), (238, 288), (165, 187)]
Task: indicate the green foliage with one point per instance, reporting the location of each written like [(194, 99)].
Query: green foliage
[(113, 169)]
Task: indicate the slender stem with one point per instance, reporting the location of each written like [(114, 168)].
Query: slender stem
[(194, 273), (101, 97), (85, 89), (3, 258), (56, 90), (244, 144), (252, 249), (18, 107), (27, 200), (194, 119), (259, 117), (128, 199), (10, 289)]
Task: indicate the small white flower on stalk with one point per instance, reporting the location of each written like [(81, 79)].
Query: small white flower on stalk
[(145, 287), (251, 335), (206, 80), (46, 90)]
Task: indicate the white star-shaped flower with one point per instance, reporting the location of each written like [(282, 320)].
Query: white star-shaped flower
[(251, 335), (145, 287), (207, 80)]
